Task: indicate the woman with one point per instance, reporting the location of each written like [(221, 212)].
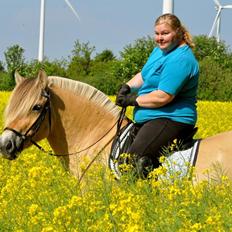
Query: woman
[(166, 89)]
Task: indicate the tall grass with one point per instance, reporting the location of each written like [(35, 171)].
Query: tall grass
[(37, 194)]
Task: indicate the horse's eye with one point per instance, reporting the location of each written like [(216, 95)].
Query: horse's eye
[(37, 107)]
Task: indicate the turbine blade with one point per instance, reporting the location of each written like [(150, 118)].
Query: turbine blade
[(214, 22), (217, 3), (227, 6), (72, 9)]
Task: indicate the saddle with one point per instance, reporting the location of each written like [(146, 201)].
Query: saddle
[(123, 141), (120, 145)]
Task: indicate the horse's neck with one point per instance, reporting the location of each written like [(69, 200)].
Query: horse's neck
[(78, 122)]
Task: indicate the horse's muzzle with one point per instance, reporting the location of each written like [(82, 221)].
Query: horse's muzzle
[(10, 145)]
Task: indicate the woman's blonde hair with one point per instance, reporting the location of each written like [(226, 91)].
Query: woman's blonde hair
[(174, 22)]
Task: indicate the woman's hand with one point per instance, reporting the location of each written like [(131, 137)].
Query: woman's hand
[(123, 91), (125, 97), (128, 100)]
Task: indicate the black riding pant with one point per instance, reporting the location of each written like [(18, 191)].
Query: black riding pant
[(155, 135)]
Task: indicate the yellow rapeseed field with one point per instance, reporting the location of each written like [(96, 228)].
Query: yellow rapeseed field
[(37, 194)]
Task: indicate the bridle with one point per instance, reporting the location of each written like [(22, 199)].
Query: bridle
[(36, 125)]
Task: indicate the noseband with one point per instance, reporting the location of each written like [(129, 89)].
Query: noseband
[(36, 125)]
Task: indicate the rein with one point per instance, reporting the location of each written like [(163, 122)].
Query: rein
[(118, 123), (36, 125)]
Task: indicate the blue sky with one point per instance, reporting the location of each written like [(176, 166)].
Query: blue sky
[(105, 24)]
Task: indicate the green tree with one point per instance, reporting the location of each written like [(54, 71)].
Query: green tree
[(55, 68), (2, 69), (133, 57), (81, 59), (14, 59), (215, 62), (5, 82), (209, 47), (215, 81), (105, 56), (102, 77)]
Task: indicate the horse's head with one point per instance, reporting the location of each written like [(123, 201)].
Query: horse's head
[(28, 107)]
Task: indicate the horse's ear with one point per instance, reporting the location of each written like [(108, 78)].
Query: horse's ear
[(18, 78), (42, 78)]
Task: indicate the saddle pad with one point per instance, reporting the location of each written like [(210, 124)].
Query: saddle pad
[(179, 163)]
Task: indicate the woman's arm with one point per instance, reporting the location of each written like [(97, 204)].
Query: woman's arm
[(155, 99), (136, 81)]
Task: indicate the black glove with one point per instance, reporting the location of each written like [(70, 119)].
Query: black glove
[(123, 91), (128, 100)]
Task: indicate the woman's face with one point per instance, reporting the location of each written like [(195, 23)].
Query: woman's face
[(165, 37)]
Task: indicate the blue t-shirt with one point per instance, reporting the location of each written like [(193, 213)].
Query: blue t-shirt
[(175, 73)]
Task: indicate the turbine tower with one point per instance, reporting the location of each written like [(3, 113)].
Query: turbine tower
[(168, 6), (42, 25), (41, 31), (217, 20)]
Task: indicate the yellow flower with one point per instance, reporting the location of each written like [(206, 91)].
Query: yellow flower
[(224, 178), (133, 228), (48, 229), (75, 201), (61, 216), (210, 220), (196, 227), (33, 209)]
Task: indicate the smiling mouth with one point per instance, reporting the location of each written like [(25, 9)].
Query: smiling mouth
[(162, 43)]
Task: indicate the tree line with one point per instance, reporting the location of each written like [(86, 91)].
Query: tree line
[(107, 72)]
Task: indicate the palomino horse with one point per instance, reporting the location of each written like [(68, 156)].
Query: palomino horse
[(73, 116)]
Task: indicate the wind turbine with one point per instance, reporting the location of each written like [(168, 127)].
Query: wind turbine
[(168, 6), (217, 21), (42, 25)]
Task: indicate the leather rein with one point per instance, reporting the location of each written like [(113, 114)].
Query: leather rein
[(36, 125)]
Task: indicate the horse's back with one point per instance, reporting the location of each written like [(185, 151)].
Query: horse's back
[(215, 156)]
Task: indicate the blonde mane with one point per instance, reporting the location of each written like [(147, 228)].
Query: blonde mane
[(83, 89), (30, 90)]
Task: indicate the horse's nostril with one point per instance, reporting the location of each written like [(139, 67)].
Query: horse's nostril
[(9, 146)]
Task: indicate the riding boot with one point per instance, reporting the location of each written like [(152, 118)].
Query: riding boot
[(144, 166)]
